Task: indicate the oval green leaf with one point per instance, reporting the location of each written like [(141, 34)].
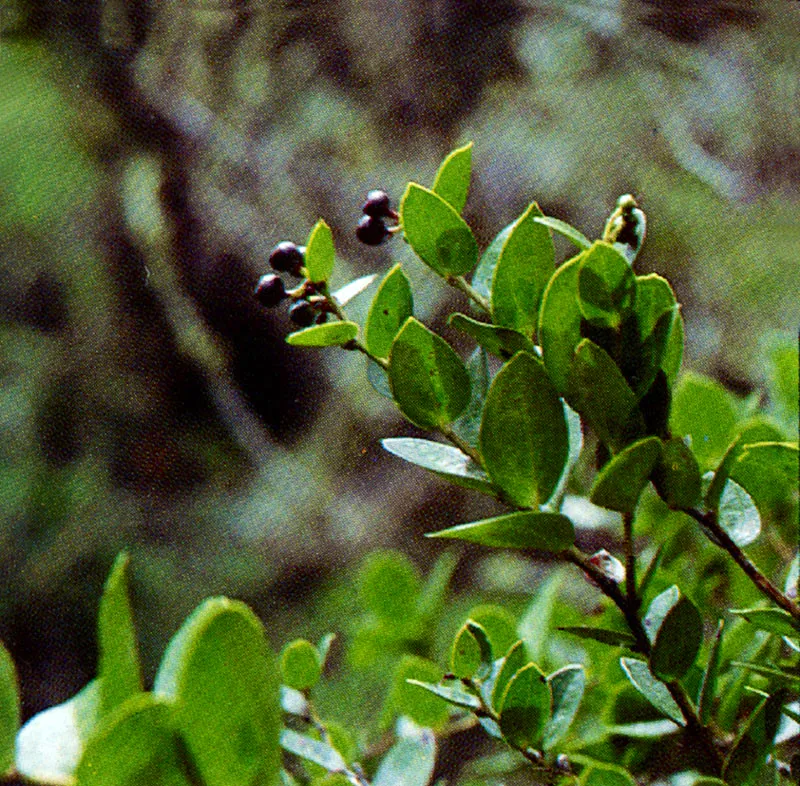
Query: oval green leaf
[(345, 294), (708, 685), (768, 471), (523, 436), (409, 762), (429, 381), (606, 286), (677, 475), (653, 690), (565, 229), (223, 680), (521, 530), (525, 707), (331, 334), (301, 665), (622, 479), (9, 710), (660, 325), (319, 255), (677, 641), (500, 341), (316, 751), (566, 686), (514, 660), (523, 268), (450, 693), (407, 699), (659, 608), (738, 515), (773, 620), (437, 233), (392, 305), (468, 424), (452, 179)]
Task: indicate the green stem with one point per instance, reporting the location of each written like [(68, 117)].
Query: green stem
[(462, 445), (461, 284), (359, 347), (711, 526)]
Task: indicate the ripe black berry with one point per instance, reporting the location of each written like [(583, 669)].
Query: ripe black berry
[(286, 257), (371, 230), (302, 313), (270, 290), (377, 205)]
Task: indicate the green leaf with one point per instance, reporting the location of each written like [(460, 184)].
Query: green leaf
[(484, 273), (118, 658), (598, 391), (500, 341), (563, 228), (223, 680), (647, 730), (465, 654), (50, 744), (136, 744), (331, 334), (410, 700), (437, 233), (706, 413), (614, 638), (659, 608), (755, 742), (523, 268), (793, 680), (378, 379), (677, 475), (452, 694), (650, 572), (768, 471), (316, 751), (428, 379), (677, 641), (301, 665), (622, 480), (560, 322), (345, 294), (606, 775), (660, 328), (783, 378), (606, 286), (525, 707), (319, 253), (738, 515), (445, 460), (500, 626), (652, 689), (478, 632), (389, 586), (514, 660), (9, 710), (708, 686), (392, 305), (566, 686), (409, 762), (452, 179), (773, 620), (523, 437), (520, 530), (468, 424)]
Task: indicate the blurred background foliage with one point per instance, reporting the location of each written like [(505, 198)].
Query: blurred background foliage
[(152, 154)]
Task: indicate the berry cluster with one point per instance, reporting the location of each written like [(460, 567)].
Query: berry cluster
[(308, 306), (372, 228)]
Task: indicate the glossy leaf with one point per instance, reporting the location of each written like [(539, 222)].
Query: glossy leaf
[(622, 480), (738, 515), (566, 687), (452, 179), (705, 412), (118, 656), (484, 273), (316, 751), (523, 436), (51, 743), (599, 392), (660, 329), (677, 475), (768, 471), (408, 699), (392, 305), (771, 619), (606, 775), (136, 744), (657, 611), (564, 229), (9, 710), (708, 686), (500, 341), (301, 665), (677, 641), (499, 624), (525, 707), (606, 286), (452, 694), (468, 424), (330, 334), (320, 253), (445, 460), (652, 689), (523, 268), (409, 762), (560, 323), (514, 660), (755, 742), (428, 379), (520, 530), (222, 678), (345, 294), (465, 654), (614, 638), (437, 233)]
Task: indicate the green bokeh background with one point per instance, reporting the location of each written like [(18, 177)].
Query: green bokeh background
[(152, 154)]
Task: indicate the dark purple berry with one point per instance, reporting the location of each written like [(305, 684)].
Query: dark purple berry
[(270, 290), (377, 205), (371, 230), (286, 257), (302, 313), (322, 318)]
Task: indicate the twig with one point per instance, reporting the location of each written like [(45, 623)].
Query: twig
[(460, 283)]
